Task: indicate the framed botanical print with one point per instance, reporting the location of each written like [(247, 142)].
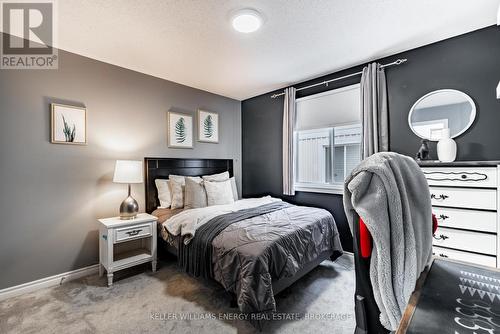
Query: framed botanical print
[(208, 126), (180, 130), (68, 124)]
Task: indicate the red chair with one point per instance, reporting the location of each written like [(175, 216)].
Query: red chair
[(366, 310)]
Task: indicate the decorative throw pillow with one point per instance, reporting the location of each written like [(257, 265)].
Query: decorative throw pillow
[(219, 193), (164, 194), (216, 177), (234, 188), (195, 195), (177, 184)]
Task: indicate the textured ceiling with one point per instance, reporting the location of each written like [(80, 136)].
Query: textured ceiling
[(191, 41)]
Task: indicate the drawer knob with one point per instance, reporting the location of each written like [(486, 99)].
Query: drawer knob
[(441, 196), (132, 233), (443, 217), (443, 255), (464, 176), (442, 237)]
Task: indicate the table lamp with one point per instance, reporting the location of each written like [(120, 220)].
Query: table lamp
[(128, 171)]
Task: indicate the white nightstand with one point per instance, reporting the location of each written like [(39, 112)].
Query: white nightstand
[(114, 233)]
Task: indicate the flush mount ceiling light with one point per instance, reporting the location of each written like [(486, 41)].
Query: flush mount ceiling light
[(246, 21)]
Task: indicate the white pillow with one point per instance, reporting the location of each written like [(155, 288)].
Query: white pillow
[(216, 177), (219, 193), (164, 194), (223, 177), (177, 185), (234, 188)]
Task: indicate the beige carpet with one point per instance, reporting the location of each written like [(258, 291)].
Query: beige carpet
[(143, 302)]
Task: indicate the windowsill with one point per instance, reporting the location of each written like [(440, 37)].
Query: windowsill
[(337, 189)]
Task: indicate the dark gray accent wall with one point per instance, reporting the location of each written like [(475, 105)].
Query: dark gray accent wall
[(470, 63), (51, 195)]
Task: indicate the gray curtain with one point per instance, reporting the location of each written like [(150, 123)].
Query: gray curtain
[(288, 139), (374, 111)]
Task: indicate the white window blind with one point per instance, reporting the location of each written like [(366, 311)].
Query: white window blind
[(328, 139), (313, 146)]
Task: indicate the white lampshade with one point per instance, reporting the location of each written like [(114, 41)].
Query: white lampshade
[(128, 171), (498, 90)]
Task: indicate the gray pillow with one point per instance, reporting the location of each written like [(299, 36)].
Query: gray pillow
[(195, 195), (216, 177)]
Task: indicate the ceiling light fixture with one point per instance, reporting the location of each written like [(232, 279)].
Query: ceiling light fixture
[(246, 21)]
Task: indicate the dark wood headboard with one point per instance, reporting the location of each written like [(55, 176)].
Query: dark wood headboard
[(161, 168)]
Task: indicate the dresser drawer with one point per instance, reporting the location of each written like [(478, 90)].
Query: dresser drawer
[(485, 177), (452, 254), (132, 232), (485, 199), (467, 241), (483, 221)]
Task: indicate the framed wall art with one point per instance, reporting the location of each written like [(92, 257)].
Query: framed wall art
[(68, 124), (180, 130), (208, 126)]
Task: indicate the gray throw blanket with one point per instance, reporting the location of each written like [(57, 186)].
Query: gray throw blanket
[(390, 193), (196, 257)]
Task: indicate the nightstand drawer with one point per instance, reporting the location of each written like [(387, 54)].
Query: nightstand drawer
[(132, 232)]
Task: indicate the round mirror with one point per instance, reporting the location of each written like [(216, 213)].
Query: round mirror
[(441, 109)]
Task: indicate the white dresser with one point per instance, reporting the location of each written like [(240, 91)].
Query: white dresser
[(465, 200)]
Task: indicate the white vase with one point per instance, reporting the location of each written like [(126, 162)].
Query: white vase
[(446, 147)]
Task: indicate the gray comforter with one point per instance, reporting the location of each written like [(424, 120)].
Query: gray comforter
[(196, 256), (250, 254)]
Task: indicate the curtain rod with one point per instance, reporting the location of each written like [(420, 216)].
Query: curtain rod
[(394, 63)]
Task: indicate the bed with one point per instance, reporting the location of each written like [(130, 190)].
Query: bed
[(254, 248)]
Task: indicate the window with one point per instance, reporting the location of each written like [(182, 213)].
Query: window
[(327, 139)]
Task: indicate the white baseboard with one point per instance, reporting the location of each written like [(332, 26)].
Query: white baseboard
[(47, 282)]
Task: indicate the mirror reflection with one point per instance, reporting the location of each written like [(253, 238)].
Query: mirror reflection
[(439, 110)]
